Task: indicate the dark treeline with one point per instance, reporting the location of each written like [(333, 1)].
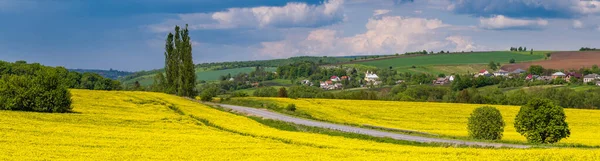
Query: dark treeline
[(34, 87), (180, 74), (588, 49), (112, 74), (564, 97)]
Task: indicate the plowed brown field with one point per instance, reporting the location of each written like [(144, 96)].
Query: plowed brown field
[(562, 60)]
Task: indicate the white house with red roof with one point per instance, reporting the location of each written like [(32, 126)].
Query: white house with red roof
[(483, 72), (335, 78)]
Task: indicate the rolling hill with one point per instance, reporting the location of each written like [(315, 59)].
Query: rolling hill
[(450, 63)]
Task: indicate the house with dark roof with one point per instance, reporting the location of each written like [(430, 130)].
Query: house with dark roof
[(590, 78)]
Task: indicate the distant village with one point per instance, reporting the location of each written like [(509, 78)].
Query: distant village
[(371, 78)]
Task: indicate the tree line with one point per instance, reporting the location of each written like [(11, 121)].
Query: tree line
[(180, 74), (588, 49)]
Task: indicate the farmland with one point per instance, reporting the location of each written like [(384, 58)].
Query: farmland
[(562, 60), (154, 126), (405, 63), (432, 118)]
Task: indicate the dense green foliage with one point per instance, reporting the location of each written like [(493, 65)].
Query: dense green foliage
[(44, 91), (486, 123), (179, 66), (70, 79), (588, 49), (265, 92), (282, 92), (112, 74), (541, 121), (208, 93)]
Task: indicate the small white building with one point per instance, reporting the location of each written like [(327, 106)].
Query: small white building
[(590, 78), (501, 73), (371, 77), (335, 78), (450, 78), (483, 72)]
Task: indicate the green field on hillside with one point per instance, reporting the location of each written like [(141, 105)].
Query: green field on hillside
[(201, 74), (502, 57)]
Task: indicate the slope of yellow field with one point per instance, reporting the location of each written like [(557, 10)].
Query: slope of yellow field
[(437, 118), (148, 126)]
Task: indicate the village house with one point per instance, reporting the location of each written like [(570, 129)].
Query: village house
[(590, 78), (598, 83), (518, 71), (501, 73), (572, 75), (483, 72), (330, 85), (441, 81), (558, 75), (371, 77), (544, 78), (335, 78), (531, 77), (450, 78), (345, 78), (307, 82)]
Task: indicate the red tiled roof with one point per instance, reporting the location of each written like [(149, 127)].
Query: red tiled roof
[(482, 71), (334, 77)]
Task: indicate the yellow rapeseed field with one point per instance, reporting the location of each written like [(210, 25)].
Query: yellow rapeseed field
[(437, 118), (154, 126)]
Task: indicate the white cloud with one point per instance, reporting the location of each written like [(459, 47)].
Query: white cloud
[(463, 43), (380, 12), (500, 22), (577, 24), (527, 8), (385, 35), (293, 14), (418, 11)]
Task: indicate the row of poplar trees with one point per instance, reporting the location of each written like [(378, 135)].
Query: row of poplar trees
[(179, 67)]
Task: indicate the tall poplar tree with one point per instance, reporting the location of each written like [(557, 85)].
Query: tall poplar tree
[(179, 64)]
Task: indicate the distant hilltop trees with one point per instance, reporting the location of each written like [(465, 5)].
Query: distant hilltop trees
[(588, 49), (520, 48)]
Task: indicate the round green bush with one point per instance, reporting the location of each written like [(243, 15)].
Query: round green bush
[(486, 123), (541, 121)]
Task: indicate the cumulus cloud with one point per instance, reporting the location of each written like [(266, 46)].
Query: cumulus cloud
[(380, 12), (385, 35), (527, 8), (462, 43), (577, 24), (293, 14), (500, 22)]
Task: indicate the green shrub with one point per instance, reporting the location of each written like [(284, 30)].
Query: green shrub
[(239, 94), (40, 92), (265, 92), (208, 93), (486, 123), (291, 107), (541, 121), (282, 92)]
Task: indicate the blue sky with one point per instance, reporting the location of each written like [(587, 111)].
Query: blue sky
[(129, 34)]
